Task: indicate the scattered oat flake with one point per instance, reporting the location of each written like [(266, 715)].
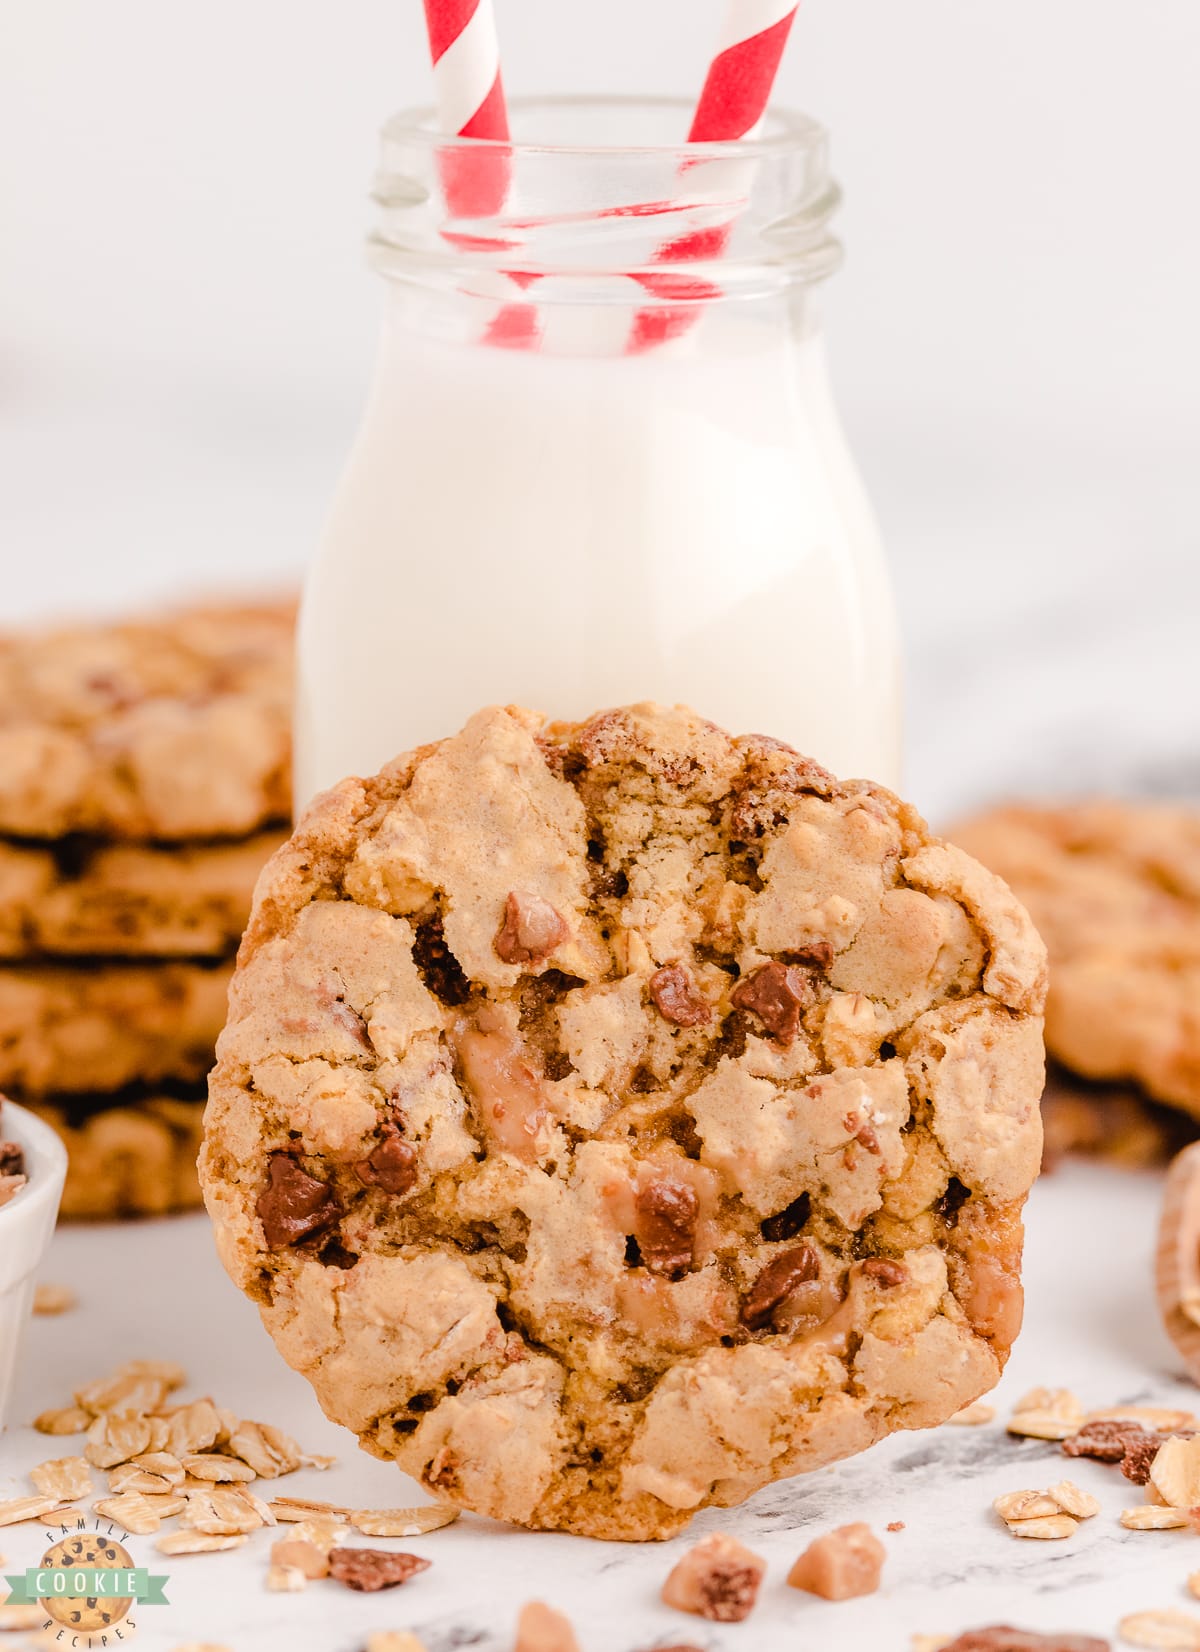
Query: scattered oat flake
[(403, 1522), (181, 1543), (286, 1580), (53, 1299), (1167, 1628), (126, 1392), (302, 1508), (541, 1629), (115, 1439), (322, 1534), (136, 1513), (210, 1465), (192, 1428), (66, 1419), (930, 1643), (298, 1554), (1175, 1472), (1047, 1527), (162, 1464), (1071, 1500), (394, 1640), (1025, 1505), (1156, 1419), (17, 1509), (310, 1459), (221, 1511), (1153, 1517), (63, 1478), (972, 1416), (267, 1450), (128, 1477)]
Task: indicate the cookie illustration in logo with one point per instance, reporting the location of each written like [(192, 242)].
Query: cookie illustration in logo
[(87, 1613)]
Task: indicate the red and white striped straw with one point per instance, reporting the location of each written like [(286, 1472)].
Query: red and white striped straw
[(738, 85), (732, 105), (469, 92)]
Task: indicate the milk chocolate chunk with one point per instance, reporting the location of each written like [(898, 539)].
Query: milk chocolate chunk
[(12, 1159), (775, 993), (531, 930), (776, 1283), (677, 997), (371, 1569), (294, 1204), (392, 1165), (666, 1226), (885, 1272)]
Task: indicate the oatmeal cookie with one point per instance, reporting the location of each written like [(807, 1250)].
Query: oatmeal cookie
[(130, 1156), (171, 728), (1114, 889), (82, 896), (97, 1027), (614, 1118)]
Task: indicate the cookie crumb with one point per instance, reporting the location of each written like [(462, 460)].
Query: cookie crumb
[(718, 1578), (297, 1554), (541, 1629), (372, 1569), (1046, 1414), (840, 1565), (286, 1580), (393, 1640), (51, 1299), (895, 1525)]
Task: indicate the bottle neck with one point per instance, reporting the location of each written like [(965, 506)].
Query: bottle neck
[(591, 246)]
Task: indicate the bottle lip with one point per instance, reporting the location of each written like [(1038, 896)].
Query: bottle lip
[(784, 131)]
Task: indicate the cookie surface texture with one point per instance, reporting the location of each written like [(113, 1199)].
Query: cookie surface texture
[(614, 1118)]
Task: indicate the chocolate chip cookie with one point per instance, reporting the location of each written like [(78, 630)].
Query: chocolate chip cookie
[(132, 1155), (100, 1026), (171, 728), (614, 1118), (113, 900), (1114, 889)]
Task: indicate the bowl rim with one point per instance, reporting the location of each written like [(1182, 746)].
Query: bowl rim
[(46, 1172)]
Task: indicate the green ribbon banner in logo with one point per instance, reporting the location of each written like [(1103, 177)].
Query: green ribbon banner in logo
[(86, 1582)]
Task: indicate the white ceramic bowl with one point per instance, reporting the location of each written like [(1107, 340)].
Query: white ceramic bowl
[(26, 1223)]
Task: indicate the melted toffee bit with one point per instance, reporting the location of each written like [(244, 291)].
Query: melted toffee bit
[(392, 1165), (531, 930), (677, 997), (884, 1271), (775, 993), (776, 1283), (294, 1204), (790, 1221), (666, 1226)]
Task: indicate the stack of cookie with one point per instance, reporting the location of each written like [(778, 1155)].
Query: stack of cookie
[(144, 781)]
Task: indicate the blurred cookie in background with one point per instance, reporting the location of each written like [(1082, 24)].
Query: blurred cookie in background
[(1114, 888)]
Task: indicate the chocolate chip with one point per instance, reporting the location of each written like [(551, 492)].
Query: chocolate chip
[(1002, 1638), (666, 1226), (677, 997), (392, 1165), (776, 1283), (12, 1159), (885, 1272), (787, 1223), (1103, 1440), (775, 993), (372, 1569), (439, 968), (294, 1204), (531, 930), (952, 1201)]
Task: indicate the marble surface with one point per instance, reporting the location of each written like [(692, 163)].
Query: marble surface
[(157, 1290)]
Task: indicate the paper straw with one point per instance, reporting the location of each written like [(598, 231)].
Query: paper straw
[(469, 92), (732, 106)]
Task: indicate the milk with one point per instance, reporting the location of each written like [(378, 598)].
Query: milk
[(571, 532)]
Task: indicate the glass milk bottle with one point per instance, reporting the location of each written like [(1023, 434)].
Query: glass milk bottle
[(600, 462)]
